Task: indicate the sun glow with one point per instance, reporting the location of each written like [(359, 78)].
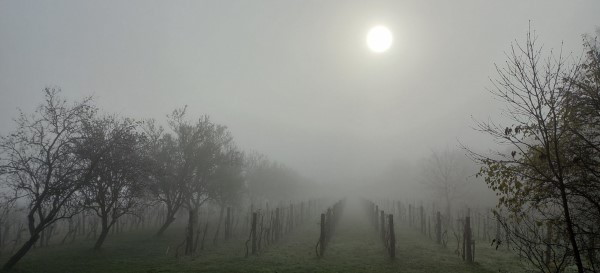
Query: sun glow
[(379, 39)]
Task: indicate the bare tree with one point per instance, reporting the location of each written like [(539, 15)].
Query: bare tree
[(117, 186), (40, 163), (167, 177), (226, 186), (184, 165), (208, 144), (7, 207), (445, 172)]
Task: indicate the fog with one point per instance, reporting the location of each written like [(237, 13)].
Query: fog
[(291, 79), (314, 117)]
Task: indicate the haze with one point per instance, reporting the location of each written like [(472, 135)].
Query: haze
[(291, 79), (300, 136)]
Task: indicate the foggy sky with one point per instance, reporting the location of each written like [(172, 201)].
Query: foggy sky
[(291, 79)]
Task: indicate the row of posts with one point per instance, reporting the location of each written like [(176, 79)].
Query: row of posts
[(417, 218), (329, 220), (384, 224), (483, 225), (468, 244), (269, 226)]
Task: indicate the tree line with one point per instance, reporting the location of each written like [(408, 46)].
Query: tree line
[(68, 157)]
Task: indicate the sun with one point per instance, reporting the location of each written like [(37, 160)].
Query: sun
[(379, 39)]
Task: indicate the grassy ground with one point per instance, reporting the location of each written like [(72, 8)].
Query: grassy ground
[(354, 248)]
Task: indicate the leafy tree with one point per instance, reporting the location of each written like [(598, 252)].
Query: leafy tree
[(537, 180), (582, 122)]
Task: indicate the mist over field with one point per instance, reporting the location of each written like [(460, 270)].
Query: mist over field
[(299, 136)]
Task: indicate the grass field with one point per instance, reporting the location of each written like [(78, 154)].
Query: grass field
[(355, 247)]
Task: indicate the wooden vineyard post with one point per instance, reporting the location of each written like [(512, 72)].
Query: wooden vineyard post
[(228, 224), (392, 236), (375, 216), (327, 226), (498, 230), (328, 223), (422, 218), (371, 210), (485, 227), (253, 232), (382, 217), (260, 231), (322, 237), (468, 245), (277, 225), (399, 211), (478, 225), (410, 215), (438, 228), (249, 218), (301, 212), (429, 226), (291, 218), (374, 213)]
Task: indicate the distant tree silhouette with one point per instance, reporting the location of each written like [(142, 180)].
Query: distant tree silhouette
[(445, 172), (272, 181)]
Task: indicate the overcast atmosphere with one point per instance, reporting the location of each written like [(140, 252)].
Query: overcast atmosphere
[(291, 79), (345, 94)]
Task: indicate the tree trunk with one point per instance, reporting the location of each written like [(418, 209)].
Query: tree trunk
[(448, 211), (83, 223), (6, 232), (229, 224), (197, 239), (1, 236), (168, 221), (216, 238), (189, 238), (21, 252), (204, 235), (570, 231), (49, 234), (42, 238), (101, 238), (69, 233), (438, 228), (253, 232), (103, 233)]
